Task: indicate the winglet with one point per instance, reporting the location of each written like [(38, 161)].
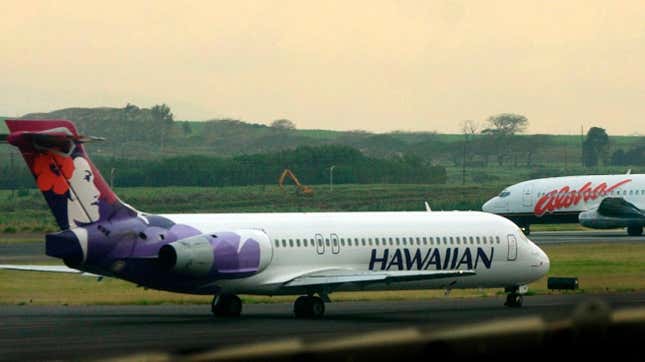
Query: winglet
[(428, 209), (629, 172)]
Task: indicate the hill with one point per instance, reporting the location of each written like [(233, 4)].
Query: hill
[(142, 133)]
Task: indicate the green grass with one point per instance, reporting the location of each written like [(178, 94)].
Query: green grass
[(601, 268), (30, 214)]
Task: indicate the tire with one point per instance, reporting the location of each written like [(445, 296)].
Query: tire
[(317, 307), (635, 230), (514, 300), (226, 305), (308, 307), (300, 307)]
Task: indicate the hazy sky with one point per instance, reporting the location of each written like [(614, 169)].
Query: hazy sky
[(375, 65)]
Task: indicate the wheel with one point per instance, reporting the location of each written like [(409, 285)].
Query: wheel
[(308, 307), (635, 230), (514, 300), (226, 305), (317, 307)]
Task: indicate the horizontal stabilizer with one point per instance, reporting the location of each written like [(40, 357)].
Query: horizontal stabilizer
[(343, 276)]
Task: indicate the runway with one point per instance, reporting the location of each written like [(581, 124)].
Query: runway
[(90, 332)]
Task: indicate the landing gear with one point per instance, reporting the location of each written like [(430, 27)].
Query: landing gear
[(309, 307), (514, 300), (526, 229), (226, 305), (635, 230)]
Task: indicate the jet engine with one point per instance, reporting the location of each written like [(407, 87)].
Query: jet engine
[(612, 212), (227, 254)]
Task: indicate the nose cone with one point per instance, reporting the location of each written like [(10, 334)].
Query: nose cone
[(543, 262), (488, 206)]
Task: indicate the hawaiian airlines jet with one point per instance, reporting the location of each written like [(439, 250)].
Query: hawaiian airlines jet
[(595, 201), (307, 254)]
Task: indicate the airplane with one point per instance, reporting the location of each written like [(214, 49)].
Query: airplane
[(309, 255), (594, 201)]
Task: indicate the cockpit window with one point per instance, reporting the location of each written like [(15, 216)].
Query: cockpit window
[(504, 193)]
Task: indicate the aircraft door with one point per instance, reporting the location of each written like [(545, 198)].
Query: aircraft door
[(320, 244), (335, 245), (527, 196), (512, 247)]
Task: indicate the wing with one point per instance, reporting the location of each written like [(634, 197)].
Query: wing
[(336, 277), (45, 268)]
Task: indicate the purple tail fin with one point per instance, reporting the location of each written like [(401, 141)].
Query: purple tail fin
[(73, 187)]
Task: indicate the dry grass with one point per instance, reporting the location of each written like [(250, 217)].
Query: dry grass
[(600, 268)]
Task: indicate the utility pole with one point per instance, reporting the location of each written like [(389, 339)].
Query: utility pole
[(331, 178)]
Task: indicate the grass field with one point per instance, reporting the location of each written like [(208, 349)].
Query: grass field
[(28, 212), (601, 268)]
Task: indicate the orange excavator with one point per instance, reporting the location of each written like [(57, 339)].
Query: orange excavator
[(301, 189)]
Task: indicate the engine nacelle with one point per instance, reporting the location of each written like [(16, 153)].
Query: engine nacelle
[(227, 254), (593, 219)]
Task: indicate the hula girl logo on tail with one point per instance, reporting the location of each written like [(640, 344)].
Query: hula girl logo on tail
[(72, 186)]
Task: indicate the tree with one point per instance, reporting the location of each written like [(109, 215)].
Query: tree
[(506, 124), (163, 118), (502, 128), (595, 146), (283, 124), (468, 128)]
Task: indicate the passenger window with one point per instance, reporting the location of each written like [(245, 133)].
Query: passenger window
[(304, 242), (369, 241), (312, 242), (349, 242), (363, 242), (284, 243), (342, 242), (298, 242), (291, 243), (445, 241), (277, 243)]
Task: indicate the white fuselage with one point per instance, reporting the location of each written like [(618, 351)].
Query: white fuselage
[(569, 195), (303, 243)]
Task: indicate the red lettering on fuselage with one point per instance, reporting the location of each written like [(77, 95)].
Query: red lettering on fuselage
[(565, 197)]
